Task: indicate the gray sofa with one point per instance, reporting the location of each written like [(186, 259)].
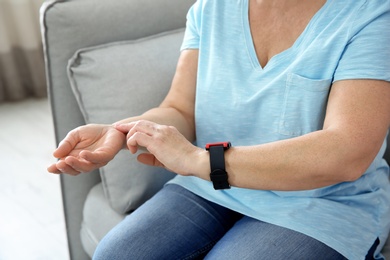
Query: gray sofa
[(106, 60)]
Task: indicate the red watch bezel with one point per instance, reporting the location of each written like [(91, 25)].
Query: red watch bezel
[(225, 145)]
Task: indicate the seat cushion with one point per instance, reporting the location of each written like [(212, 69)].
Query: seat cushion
[(98, 219), (118, 80)]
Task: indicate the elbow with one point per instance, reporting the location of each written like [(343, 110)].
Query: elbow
[(354, 158), (355, 168), (352, 175)]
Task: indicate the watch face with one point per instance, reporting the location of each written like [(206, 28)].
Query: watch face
[(225, 145)]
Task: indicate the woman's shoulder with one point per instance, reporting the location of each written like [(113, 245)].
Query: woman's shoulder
[(354, 15)]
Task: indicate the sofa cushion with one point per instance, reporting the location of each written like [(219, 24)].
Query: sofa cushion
[(98, 219), (119, 80)]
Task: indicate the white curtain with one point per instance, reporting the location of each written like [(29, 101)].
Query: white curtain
[(21, 58)]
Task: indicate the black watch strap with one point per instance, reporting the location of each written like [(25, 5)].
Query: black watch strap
[(218, 173)]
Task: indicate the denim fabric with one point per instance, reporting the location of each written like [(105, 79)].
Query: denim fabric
[(177, 224)]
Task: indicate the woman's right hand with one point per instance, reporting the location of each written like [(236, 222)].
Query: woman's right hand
[(87, 148)]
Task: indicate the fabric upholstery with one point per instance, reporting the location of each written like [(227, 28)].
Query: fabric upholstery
[(121, 76), (95, 226), (69, 25)]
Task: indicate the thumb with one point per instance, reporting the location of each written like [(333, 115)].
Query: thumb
[(64, 148), (67, 144), (149, 159)]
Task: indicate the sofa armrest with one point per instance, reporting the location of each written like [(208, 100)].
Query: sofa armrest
[(69, 25)]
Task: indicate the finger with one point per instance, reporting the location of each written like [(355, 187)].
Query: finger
[(66, 145), (53, 169), (124, 128), (81, 165), (132, 149), (149, 159), (138, 139), (96, 157), (143, 126), (63, 167)]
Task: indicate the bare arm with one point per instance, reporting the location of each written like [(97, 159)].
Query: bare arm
[(356, 123), (357, 120)]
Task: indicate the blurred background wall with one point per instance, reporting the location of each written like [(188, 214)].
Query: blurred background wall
[(21, 60)]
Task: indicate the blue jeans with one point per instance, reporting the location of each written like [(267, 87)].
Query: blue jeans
[(176, 224)]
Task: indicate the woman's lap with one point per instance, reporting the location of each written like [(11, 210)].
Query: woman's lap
[(253, 239), (176, 224)]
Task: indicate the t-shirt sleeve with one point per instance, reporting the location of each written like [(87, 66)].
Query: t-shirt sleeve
[(191, 35), (367, 55)]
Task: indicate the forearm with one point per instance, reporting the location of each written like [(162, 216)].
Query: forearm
[(311, 161), (356, 124)]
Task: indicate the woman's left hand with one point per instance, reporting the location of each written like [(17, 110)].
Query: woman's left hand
[(167, 147)]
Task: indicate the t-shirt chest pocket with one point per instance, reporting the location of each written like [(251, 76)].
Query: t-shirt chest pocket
[(304, 105)]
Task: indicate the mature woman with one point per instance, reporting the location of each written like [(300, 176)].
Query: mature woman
[(301, 90)]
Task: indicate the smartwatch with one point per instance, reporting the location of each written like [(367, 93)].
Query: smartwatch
[(218, 173)]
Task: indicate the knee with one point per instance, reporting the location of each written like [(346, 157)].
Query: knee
[(106, 249), (122, 242), (114, 246)]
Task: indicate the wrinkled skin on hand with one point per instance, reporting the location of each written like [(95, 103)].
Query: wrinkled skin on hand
[(87, 148), (167, 147)]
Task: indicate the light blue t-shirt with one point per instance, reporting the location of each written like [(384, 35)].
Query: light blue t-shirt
[(239, 101)]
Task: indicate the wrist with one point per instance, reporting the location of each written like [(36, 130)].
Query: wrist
[(202, 165), (124, 144)]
